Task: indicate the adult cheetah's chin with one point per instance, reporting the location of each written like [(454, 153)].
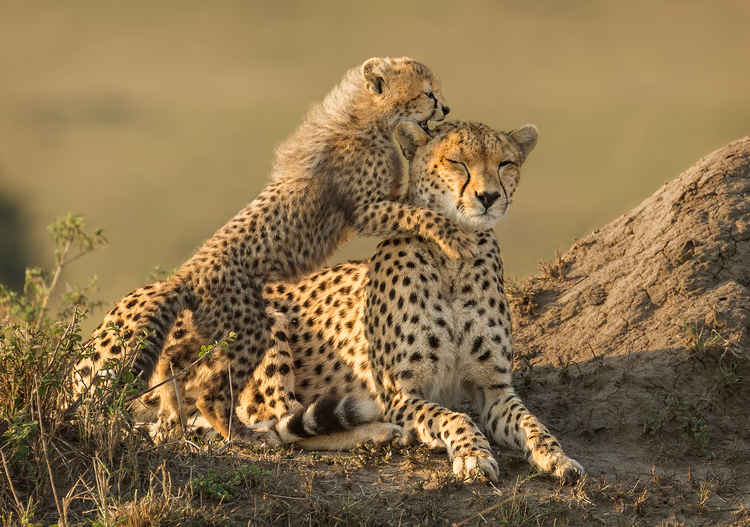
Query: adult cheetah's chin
[(479, 222)]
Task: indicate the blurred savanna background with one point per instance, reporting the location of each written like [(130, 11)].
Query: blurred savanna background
[(158, 121)]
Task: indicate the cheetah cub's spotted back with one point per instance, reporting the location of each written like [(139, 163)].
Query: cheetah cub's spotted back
[(340, 173), (420, 333)]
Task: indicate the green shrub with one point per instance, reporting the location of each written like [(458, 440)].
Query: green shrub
[(43, 425)]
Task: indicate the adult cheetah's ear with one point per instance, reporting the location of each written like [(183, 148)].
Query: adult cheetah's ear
[(410, 136), (373, 71), (525, 137)]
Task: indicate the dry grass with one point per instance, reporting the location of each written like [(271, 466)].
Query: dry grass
[(523, 295), (556, 269)]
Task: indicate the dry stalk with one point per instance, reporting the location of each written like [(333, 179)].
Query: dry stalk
[(58, 270), (21, 509), (60, 512), (178, 374), (179, 400), (481, 513)]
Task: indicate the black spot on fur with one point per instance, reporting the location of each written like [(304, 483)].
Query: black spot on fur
[(324, 415), (296, 425)]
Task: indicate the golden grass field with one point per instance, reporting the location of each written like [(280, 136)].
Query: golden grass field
[(157, 123)]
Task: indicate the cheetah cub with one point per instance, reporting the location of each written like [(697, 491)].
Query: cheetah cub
[(339, 173), (414, 331)]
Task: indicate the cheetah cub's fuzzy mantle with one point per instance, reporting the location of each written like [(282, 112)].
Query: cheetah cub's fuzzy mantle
[(339, 173), (416, 332)]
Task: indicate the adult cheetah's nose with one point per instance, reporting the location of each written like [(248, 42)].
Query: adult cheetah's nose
[(446, 110), (487, 198)]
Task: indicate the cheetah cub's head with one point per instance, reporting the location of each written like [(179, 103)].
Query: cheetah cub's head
[(466, 171), (403, 90)]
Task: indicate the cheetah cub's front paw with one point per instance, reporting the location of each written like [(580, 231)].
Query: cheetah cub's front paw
[(465, 467), (458, 244), (568, 469), (260, 433)]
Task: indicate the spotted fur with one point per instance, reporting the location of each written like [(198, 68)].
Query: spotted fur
[(339, 173), (417, 332)]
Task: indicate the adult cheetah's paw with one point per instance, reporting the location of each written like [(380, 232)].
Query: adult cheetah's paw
[(458, 244), (568, 469), (465, 467)]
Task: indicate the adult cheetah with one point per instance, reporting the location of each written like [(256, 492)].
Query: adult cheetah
[(340, 172), (412, 330)]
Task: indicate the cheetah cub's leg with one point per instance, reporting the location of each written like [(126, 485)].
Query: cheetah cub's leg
[(386, 218), (508, 421), (235, 387), (269, 396), (439, 427), (169, 421), (172, 373)]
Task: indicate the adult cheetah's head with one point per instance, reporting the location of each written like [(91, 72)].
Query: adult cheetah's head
[(404, 90), (466, 171)]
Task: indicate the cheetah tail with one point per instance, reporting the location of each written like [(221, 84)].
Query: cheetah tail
[(325, 416), (153, 308)]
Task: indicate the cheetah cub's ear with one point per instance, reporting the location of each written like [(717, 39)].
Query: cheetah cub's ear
[(525, 137), (410, 136), (373, 71)]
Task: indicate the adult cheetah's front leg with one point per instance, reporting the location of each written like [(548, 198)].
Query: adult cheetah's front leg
[(502, 414), (508, 421), (439, 427), (410, 347)]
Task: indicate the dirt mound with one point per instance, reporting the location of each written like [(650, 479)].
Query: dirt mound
[(636, 341), (680, 257)]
